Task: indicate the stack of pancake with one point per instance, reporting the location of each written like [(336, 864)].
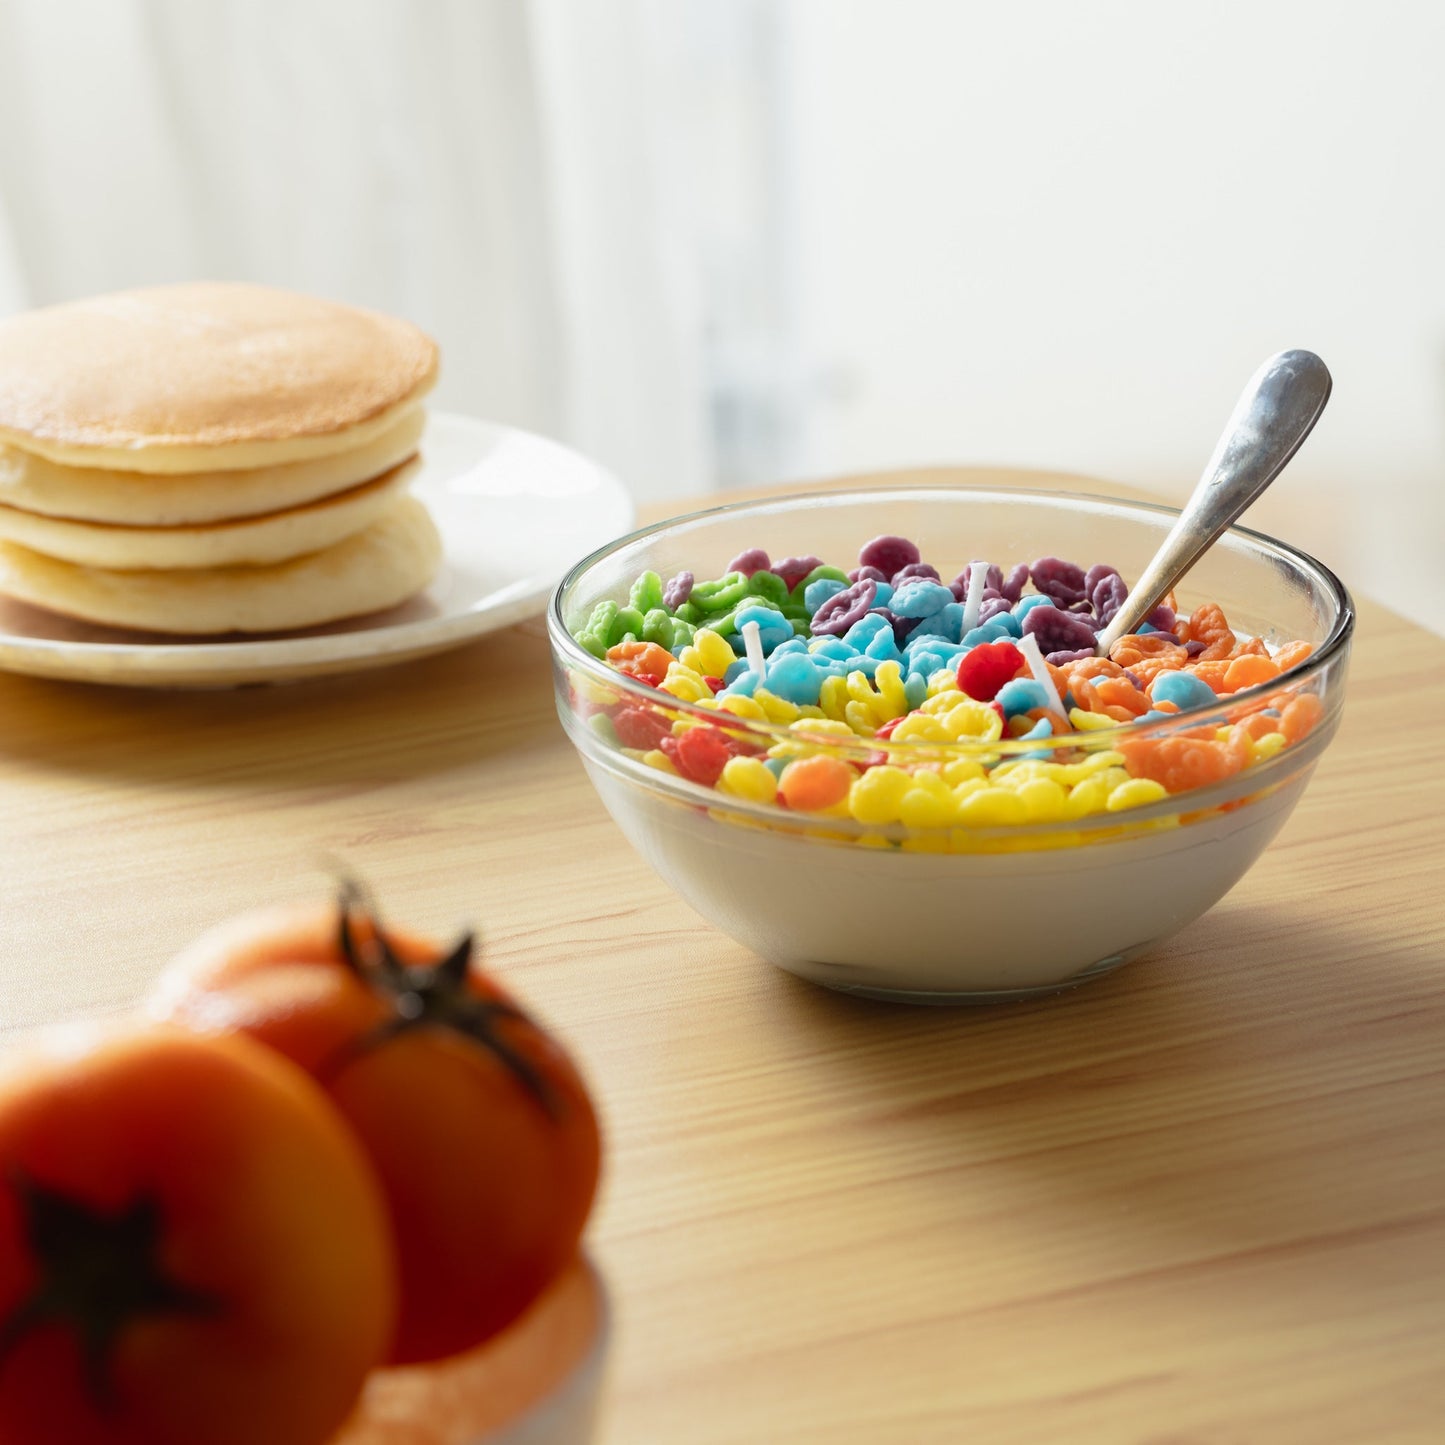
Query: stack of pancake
[(212, 458)]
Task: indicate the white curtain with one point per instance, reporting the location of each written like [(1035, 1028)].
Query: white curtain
[(513, 175)]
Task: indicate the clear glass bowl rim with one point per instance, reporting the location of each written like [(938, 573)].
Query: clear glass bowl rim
[(573, 656)]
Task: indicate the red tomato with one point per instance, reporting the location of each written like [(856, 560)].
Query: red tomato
[(192, 1247), (478, 1125)]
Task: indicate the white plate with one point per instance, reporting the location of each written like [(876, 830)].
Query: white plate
[(514, 511)]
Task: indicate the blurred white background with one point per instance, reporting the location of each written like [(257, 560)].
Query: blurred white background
[(717, 242)]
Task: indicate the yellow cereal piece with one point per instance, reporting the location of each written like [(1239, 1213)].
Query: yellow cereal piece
[(992, 808), (1087, 722), (1113, 778), (1221, 735), (925, 808), (1090, 796), (1135, 794), (833, 697), (596, 693), (743, 707), (962, 770), (660, 761), (710, 654), (921, 727), (1044, 800), (685, 684), (892, 699), (1098, 762), (973, 720), (776, 709), (1262, 749), (876, 796), (748, 778), (942, 681)]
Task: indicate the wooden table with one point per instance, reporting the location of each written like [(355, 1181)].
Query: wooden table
[(1200, 1200)]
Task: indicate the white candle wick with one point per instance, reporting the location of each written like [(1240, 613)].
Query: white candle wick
[(1029, 646), (977, 581), (753, 642)]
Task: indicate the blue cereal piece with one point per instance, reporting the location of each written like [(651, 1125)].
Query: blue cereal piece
[(773, 628), (831, 649), (1153, 716), (1183, 689), (884, 646), (815, 594), (919, 597), (915, 689), (794, 677), (1010, 623), (884, 597), (735, 671), (865, 630), (989, 631), (1021, 695), (745, 684)]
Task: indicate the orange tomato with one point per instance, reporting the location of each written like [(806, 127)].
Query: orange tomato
[(477, 1124), (192, 1246)]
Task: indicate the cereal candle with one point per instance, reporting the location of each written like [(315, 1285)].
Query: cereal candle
[(1028, 644), (753, 642), (973, 600)]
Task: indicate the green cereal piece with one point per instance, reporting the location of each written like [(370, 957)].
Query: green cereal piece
[(722, 594), (646, 592), (595, 631), (657, 627), (682, 633), (601, 724), (725, 625), (628, 619), (690, 613), (768, 586), (818, 574), (802, 626)]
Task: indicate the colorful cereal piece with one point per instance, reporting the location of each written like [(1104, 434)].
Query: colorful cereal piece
[(812, 785)]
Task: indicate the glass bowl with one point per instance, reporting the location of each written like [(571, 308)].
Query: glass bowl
[(954, 910)]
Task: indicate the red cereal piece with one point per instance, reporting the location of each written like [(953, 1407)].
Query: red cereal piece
[(639, 658), (886, 731), (651, 679), (702, 753), (715, 683), (982, 670), (638, 728)]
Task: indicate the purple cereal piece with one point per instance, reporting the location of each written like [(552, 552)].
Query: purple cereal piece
[(867, 574), (992, 607), (793, 569), (678, 590), (1062, 582), (1059, 659), (915, 569), (1162, 618), (902, 626), (1013, 585), (1195, 648), (1107, 592), (753, 560), (889, 554), (1135, 680), (1059, 631), (844, 608)]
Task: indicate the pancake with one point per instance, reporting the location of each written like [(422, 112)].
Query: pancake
[(378, 567), (253, 541), (34, 484), (205, 377)]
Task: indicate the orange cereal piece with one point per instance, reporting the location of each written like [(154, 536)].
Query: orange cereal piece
[(1255, 647), (1209, 625), (1119, 692), (813, 784), (1212, 672), (640, 657), (1250, 670), (1299, 718), (1258, 724), (1148, 668), (1292, 654), (1085, 669), (1182, 763)]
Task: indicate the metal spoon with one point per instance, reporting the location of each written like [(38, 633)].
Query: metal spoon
[(1274, 415)]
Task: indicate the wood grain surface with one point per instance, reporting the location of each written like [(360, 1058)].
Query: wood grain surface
[(1199, 1200)]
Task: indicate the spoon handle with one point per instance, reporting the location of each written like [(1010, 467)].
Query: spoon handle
[(1275, 413)]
